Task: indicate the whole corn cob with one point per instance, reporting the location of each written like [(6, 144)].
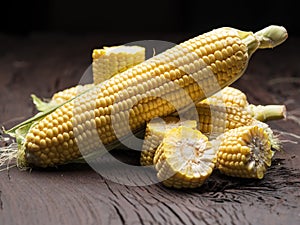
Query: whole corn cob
[(245, 152), (185, 158), (155, 132), (232, 97), (157, 87)]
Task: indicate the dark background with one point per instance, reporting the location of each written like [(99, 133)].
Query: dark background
[(158, 16)]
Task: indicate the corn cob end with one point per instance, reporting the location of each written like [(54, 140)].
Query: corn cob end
[(184, 159), (245, 152)]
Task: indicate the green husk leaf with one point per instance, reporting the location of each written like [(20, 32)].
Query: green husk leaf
[(21, 130), (42, 105)]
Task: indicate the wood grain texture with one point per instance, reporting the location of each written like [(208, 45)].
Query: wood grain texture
[(76, 194)]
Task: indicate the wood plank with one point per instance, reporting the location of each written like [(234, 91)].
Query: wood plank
[(76, 194)]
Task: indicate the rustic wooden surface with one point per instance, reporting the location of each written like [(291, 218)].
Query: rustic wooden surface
[(76, 194)]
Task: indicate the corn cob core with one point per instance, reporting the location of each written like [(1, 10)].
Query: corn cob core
[(185, 158), (245, 152), (150, 89), (155, 132), (267, 112)]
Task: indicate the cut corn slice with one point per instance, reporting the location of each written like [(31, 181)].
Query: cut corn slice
[(109, 61), (155, 132), (185, 158), (245, 152), (170, 81)]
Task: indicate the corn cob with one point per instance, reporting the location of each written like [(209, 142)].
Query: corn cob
[(217, 119), (245, 152), (230, 109), (155, 132), (232, 97), (109, 61), (155, 88), (185, 158)]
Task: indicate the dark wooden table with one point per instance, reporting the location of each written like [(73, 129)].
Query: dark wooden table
[(76, 194)]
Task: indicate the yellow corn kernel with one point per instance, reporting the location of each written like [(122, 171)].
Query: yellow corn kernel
[(185, 158), (157, 87), (65, 95), (214, 119), (248, 155), (155, 132), (229, 97)]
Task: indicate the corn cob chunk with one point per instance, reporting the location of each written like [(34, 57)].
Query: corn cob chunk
[(245, 152), (151, 89), (155, 132), (185, 158), (109, 61), (274, 140)]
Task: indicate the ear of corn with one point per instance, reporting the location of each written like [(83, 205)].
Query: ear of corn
[(245, 152), (185, 158), (172, 80), (155, 132), (230, 109)]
